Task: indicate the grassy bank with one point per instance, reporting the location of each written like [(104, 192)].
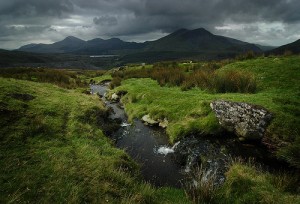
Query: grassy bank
[(52, 149), (246, 183), (277, 80)]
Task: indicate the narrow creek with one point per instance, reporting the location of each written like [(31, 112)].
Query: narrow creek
[(161, 163)]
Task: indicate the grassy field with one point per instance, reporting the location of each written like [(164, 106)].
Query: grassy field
[(188, 112), (53, 150), (54, 147)]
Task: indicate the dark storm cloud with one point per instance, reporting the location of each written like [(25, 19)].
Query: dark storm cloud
[(265, 21), (168, 14), (35, 7), (105, 20)]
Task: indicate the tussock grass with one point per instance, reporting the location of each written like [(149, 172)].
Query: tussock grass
[(201, 185), (247, 183), (203, 76), (220, 82)]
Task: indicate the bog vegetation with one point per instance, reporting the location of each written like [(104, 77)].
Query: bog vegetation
[(274, 79), (54, 145), (64, 78), (204, 76)]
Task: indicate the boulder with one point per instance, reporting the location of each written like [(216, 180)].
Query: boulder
[(247, 121)]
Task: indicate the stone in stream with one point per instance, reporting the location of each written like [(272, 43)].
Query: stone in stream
[(149, 121), (115, 97), (247, 121)]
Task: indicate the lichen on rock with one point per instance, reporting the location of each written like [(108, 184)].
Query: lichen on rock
[(247, 121)]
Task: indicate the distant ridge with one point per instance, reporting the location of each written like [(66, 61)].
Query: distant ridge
[(181, 41), (199, 40), (293, 47)]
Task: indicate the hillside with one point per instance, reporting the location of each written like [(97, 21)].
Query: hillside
[(67, 45), (77, 46), (293, 47), (198, 40), (53, 149), (10, 57), (58, 61)]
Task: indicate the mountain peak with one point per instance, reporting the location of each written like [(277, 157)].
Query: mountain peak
[(72, 38), (201, 31)]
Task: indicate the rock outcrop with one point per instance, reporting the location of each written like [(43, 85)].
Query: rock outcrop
[(247, 121)]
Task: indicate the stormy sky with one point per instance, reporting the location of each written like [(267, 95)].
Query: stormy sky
[(268, 22)]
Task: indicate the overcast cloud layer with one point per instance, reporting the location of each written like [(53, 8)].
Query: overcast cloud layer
[(270, 22)]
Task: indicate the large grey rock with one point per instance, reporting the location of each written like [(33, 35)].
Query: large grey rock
[(247, 121)]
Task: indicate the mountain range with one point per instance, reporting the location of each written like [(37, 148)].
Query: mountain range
[(181, 41), (72, 52)]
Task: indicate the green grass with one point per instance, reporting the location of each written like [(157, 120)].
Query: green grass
[(104, 77), (278, 90), (63, 78), (52, 150), (246, 183)]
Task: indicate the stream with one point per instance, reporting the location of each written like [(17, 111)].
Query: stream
[(161, 163)]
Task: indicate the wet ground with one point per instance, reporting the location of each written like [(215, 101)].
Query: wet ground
[(161, 163)]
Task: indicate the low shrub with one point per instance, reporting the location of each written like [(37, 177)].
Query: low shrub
[(115, 82), (221, 82), (234, 81), (246, 56), (204, 76), (62, 78)]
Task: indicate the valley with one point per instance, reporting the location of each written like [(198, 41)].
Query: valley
[(59, 136)]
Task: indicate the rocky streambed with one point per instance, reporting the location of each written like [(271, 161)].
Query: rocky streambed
[(165, 165)]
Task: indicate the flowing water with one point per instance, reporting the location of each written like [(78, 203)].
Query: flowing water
[(166, 165), (161, 163)]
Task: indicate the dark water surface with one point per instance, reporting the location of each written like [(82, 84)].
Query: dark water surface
[(141, 143), (164, 165)]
